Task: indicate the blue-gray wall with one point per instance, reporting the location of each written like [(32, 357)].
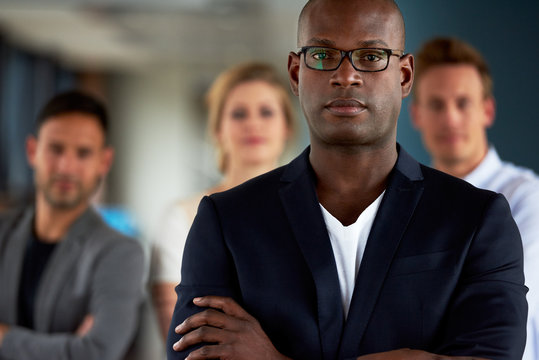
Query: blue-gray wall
[(507, 34)]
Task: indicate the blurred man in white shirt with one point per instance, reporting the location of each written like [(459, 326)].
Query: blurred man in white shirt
[(452, 108)]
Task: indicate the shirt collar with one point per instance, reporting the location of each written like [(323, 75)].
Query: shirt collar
[(486, 169)]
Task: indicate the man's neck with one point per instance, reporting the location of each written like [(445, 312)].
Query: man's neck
[(51, 224), (460, 169), (349, 181)]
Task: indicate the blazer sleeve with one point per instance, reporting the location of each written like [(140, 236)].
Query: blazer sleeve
[(116, 294), (487, 315), (207, 269)]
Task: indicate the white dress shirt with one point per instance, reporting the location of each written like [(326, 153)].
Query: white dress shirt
[(348, 243), (521, 188)]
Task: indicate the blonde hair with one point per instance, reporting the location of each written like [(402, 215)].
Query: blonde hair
[(222, 86)]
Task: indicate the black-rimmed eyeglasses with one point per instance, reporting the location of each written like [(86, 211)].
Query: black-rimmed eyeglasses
[(364, 59)]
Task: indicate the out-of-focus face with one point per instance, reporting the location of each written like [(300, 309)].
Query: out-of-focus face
[(452, 114), (69, 157), (253, 128), (346, 106)]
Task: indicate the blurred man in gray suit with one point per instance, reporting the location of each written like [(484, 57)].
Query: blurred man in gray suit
[(71, 286)]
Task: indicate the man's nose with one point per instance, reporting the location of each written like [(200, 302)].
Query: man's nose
[(346, 75), (452, 116), (67, 163)]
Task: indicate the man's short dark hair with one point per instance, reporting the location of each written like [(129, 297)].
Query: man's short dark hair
[(452, 51), (74, 101)]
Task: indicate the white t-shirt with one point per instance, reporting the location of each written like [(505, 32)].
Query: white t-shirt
[(168, 243), (348, 243)]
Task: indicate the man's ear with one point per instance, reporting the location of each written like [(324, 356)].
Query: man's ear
[(490, 110), (407, 74), (106, 160), (31, 148), (293, 71)]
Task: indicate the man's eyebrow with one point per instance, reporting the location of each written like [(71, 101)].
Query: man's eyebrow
[(54, 142), (319, 41), (360, 44), (372, 43)]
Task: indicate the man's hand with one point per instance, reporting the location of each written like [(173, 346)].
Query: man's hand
[(85, 326), (3, 330), (408, 354), (232, 332)]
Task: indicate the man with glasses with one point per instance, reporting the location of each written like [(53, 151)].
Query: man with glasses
[(353, 250), (453, 107)]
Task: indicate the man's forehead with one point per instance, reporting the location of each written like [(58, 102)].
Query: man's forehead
[(72, 131), (378, 22), (444, 84), (375, 21), (452, 75), (360, 43)]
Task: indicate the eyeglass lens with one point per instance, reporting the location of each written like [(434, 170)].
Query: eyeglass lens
[(321, 58)]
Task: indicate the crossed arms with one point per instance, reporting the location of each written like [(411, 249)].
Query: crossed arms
[(481, 313), (115, 294), (234, 334)]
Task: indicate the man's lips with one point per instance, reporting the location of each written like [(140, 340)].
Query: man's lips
[(64, 184), (449, 138), (345, 107)]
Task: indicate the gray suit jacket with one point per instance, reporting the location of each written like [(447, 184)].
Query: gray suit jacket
[(94, 270)]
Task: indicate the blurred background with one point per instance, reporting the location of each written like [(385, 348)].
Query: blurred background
[(153, 60)]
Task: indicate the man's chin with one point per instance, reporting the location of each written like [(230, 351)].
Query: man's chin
[(446, 152), (451, 159), (64, 203)]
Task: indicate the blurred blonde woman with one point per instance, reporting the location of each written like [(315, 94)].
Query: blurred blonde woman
[(250, 119)]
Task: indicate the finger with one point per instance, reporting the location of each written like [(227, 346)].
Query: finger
[(225, 304), (210, 352), (85, 327), (203, 334), (208, 317)]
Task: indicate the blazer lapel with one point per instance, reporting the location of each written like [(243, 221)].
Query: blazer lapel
[(298, 196), (402, 195), (12, 256), (60, 268)]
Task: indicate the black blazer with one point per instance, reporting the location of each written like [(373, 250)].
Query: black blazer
[(442, 269)]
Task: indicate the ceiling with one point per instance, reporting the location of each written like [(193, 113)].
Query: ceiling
[(137, 33)]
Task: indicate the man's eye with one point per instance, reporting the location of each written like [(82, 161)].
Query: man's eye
[(323, 54), (371, 57), (463, 103), (435, 105), (83, 153), (56, 149), (320, 55)]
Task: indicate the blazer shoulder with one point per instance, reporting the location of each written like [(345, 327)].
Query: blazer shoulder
[(268, 184), (256, 187), (446, 194), (101, 237), (451, 185)]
